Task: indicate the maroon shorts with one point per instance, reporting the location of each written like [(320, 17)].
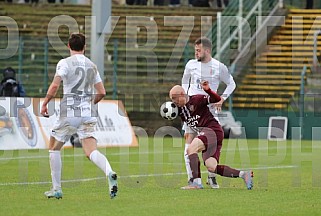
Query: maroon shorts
[(212, 138)]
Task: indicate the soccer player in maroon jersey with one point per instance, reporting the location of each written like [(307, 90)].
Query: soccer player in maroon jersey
[(194, 111)]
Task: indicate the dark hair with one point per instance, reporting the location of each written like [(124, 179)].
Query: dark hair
[(77, 42), (204, 41), (9, 72)]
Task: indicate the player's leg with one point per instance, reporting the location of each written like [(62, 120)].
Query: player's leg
[(212, 139), (189, 136), (211, 178), (89, 144), (58, 136), (227, 171), (196, 146), (211, 161), (211, 164), (55, 167)]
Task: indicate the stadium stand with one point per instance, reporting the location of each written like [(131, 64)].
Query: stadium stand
[(274, 78), (133, 78), (271, 82)]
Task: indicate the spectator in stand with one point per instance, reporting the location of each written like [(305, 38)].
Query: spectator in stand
[(9, 86)]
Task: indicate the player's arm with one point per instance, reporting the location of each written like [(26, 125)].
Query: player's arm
[(100, 92), (213, 96), (226, 78), (186, 79), (52, 91)]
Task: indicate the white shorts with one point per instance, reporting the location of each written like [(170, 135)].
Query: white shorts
[(213, 110), (187, 129), (65, 127)]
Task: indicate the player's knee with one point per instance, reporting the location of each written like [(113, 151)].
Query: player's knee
[(211, 169), (55, 145), (54, 148), (190, 150), (211, 164)]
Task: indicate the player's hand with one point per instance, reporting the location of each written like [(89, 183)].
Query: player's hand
[(205, 85), (44, 111), (218, 105)]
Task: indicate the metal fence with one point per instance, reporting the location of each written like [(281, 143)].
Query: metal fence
[(236, 24)]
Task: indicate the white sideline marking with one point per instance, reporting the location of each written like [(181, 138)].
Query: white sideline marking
[(129, 176)]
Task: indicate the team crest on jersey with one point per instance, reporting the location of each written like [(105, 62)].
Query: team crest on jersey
[(191, 108)]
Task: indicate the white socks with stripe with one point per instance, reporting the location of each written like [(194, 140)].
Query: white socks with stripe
[(55, 167), (101, 161)]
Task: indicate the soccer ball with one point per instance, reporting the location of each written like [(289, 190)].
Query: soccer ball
[(169, 110)]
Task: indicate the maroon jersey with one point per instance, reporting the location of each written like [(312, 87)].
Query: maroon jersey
[(196, 113)]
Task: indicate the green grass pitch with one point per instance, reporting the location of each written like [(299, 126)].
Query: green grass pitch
[(287, 181)]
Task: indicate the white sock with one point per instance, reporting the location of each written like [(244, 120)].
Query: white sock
[(101, 161), (187, 165), (211, 174), (197, 181), (241, 174), (55, 167)]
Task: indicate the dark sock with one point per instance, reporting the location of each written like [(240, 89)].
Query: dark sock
[(227, 171), (195, 165)]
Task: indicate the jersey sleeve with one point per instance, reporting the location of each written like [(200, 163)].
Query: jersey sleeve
[(227, 78), (186, 78), (212, 96), (61, 69), (97, 78)]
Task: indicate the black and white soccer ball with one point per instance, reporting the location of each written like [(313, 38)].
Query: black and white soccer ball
[(169, 110)]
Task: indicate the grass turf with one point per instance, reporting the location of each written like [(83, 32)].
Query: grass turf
[(286, 181)]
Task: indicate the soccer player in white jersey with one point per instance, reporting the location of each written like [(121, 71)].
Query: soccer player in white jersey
[(204, 67), (82, 89)]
